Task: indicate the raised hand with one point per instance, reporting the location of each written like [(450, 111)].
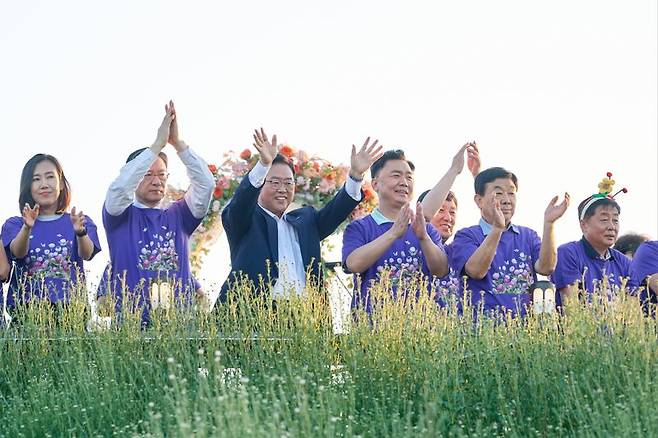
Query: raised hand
[(498, 217), (30, 214), (267, 149), (174, 139), (473, 159), (361, 161), (418, 224), (78, 221), (555, 211), (402, 222), (165, 128)]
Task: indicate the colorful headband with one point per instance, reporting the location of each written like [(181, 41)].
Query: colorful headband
[(605, 188)]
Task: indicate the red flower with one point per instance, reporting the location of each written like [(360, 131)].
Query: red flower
[(287, 151), (296, 167), (218, 192), (245, 154), (212, 168)]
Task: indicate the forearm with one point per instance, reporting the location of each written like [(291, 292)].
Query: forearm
[(122, 190), (547, 253), (437, 196), (21, 243), (202, 182), (479, 263), (85, 247), (569, 294), (365, 256), (436, 259)]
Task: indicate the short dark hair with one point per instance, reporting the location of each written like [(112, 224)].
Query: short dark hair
[(450, 197), (135, 154), (397, 154), (282, 159), (592, 208), (25, 192), (629, 243), (491, 174)]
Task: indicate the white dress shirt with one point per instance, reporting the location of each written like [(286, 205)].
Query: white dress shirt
[(292, 272), (197, 197)]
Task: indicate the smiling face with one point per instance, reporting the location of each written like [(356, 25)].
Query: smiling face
[(394, 184), (279, 189), (502, 189), (151, 189), (46, 186), (444, 220), (601, 229)]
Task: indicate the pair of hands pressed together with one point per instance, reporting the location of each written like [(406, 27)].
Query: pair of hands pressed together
[(407, 216), (360, 161), (168, 130)]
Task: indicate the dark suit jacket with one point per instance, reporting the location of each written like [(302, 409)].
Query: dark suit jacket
[(253, 237)]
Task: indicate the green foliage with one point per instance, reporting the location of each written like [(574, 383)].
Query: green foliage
[(252, 368)]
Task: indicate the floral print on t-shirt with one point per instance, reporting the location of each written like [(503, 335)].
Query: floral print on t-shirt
[(51, 260), (515, 276), (403, 265), (159, 253)]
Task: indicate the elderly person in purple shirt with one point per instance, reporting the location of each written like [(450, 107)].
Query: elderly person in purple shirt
[(591, 263), (501, 259), (148, 244)]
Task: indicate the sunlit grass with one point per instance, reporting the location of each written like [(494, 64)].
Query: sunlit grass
[(251, 368)]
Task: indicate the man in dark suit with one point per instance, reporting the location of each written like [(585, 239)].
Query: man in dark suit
[(272, 248)]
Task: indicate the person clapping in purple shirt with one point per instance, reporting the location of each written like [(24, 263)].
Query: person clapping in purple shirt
[(498, 258)]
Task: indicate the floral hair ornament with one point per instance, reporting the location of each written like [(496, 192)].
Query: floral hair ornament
[(605, 188)]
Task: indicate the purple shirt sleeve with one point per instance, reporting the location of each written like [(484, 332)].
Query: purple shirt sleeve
[(568, 270), (188, 221), (92, 232), (9, 231), (464, 245), (645, 263), (354, 237)]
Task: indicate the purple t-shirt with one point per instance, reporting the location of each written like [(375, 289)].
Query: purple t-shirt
[(149, 244), (511, 272), (447, 287), (52, 259), (404, 258), (578, 260)]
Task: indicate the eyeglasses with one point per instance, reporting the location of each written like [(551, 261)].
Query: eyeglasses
[(288, 184), (161, 176)]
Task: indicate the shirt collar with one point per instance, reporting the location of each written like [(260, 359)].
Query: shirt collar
[(591, 252), (138, 204), (283, 217), (486, 227), (379, 217), (49, 217)]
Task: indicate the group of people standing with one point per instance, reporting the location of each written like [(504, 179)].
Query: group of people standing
[(276, 251)]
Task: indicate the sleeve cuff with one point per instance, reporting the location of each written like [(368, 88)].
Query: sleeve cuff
[(353, 188), (257, 174)]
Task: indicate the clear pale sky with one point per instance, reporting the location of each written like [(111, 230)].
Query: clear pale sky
[(559, 92)]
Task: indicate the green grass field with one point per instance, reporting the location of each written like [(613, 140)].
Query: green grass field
[(413, 370)]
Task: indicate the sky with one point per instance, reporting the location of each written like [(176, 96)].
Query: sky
[(558, 92)]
